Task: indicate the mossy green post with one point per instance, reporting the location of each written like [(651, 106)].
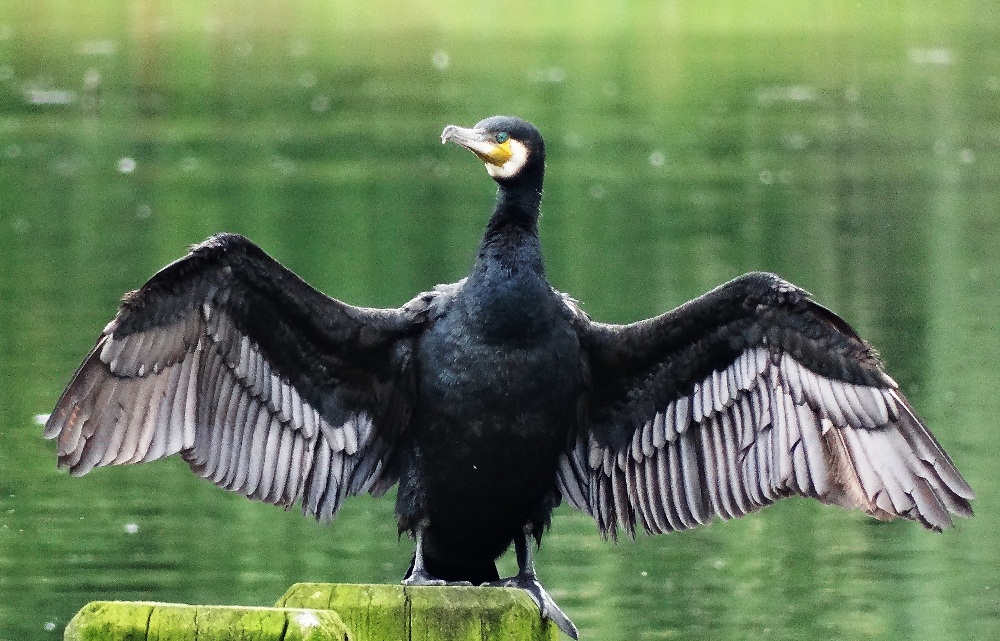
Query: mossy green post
[(450, 613), (327, 612), (138, 621)]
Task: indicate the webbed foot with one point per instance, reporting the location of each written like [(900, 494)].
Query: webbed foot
[(422, 577), (546, 605)]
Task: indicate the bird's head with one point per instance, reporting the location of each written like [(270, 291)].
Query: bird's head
[(511, 148)]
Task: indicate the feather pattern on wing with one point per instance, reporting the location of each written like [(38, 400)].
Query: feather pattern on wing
[(754, 423), (184, 369)]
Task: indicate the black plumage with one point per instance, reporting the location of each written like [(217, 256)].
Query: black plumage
[(491, 399)]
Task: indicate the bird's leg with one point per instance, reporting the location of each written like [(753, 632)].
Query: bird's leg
[(418, 574), (528, 581)]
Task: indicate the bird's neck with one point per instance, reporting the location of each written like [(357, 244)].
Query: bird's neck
[(508, 292), (512, 231), (516, 211)]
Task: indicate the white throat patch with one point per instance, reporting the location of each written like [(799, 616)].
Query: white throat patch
[(519, 156)]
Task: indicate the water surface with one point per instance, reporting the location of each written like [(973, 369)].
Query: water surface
[(855, 151)]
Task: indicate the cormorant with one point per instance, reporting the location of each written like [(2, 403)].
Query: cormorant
[(491, 399)]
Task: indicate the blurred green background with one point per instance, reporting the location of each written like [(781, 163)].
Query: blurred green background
[(853, 147)]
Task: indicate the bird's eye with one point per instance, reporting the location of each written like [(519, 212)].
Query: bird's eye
[(502, 137)]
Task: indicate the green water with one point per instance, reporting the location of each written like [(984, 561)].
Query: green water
[(852, 147)]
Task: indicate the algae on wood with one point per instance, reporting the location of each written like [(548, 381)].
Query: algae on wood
[(448, 613), (327, 612), (370, 611), (141, 621)]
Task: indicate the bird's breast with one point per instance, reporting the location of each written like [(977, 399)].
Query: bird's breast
[(473, 379), (468, 372), (491, 417)]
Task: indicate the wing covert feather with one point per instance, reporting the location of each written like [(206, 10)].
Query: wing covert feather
[(742, 397), (264, 386)]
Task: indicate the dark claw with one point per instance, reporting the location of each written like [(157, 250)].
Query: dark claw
[(546, 605)]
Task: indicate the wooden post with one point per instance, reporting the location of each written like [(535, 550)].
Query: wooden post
[(327, 612), (145, 621), (448, 613)]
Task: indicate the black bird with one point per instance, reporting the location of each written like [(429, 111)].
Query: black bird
[(491, 399)]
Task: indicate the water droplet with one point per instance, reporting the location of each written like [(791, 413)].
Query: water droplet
[(282, 165), (126, 165), (766, 177), (442, 170), (440, 60), (597, 192), (791, 93), (795, 141), (307, 80), (702, 199), (41, 419), (212, 24), (92, 79), (64, 166), (50, 626), (574, 140), (98, 47), (320, 103), (143, 211), (19, 224), (931, 56), (37, 96), (547, 74), (375, 87), (131, 528), (657, 159), (189, 163), (967, 156)]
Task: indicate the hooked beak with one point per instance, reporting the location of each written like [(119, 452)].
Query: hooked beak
[(480, 143)]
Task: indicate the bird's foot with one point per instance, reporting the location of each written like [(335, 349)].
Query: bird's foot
[(421, 577), (546, 605)]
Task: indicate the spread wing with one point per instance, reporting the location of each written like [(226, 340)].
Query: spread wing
[(746, 395), (264, 385)]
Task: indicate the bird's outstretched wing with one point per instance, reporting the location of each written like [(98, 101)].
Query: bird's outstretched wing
[(264, 385), (741, 397)]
